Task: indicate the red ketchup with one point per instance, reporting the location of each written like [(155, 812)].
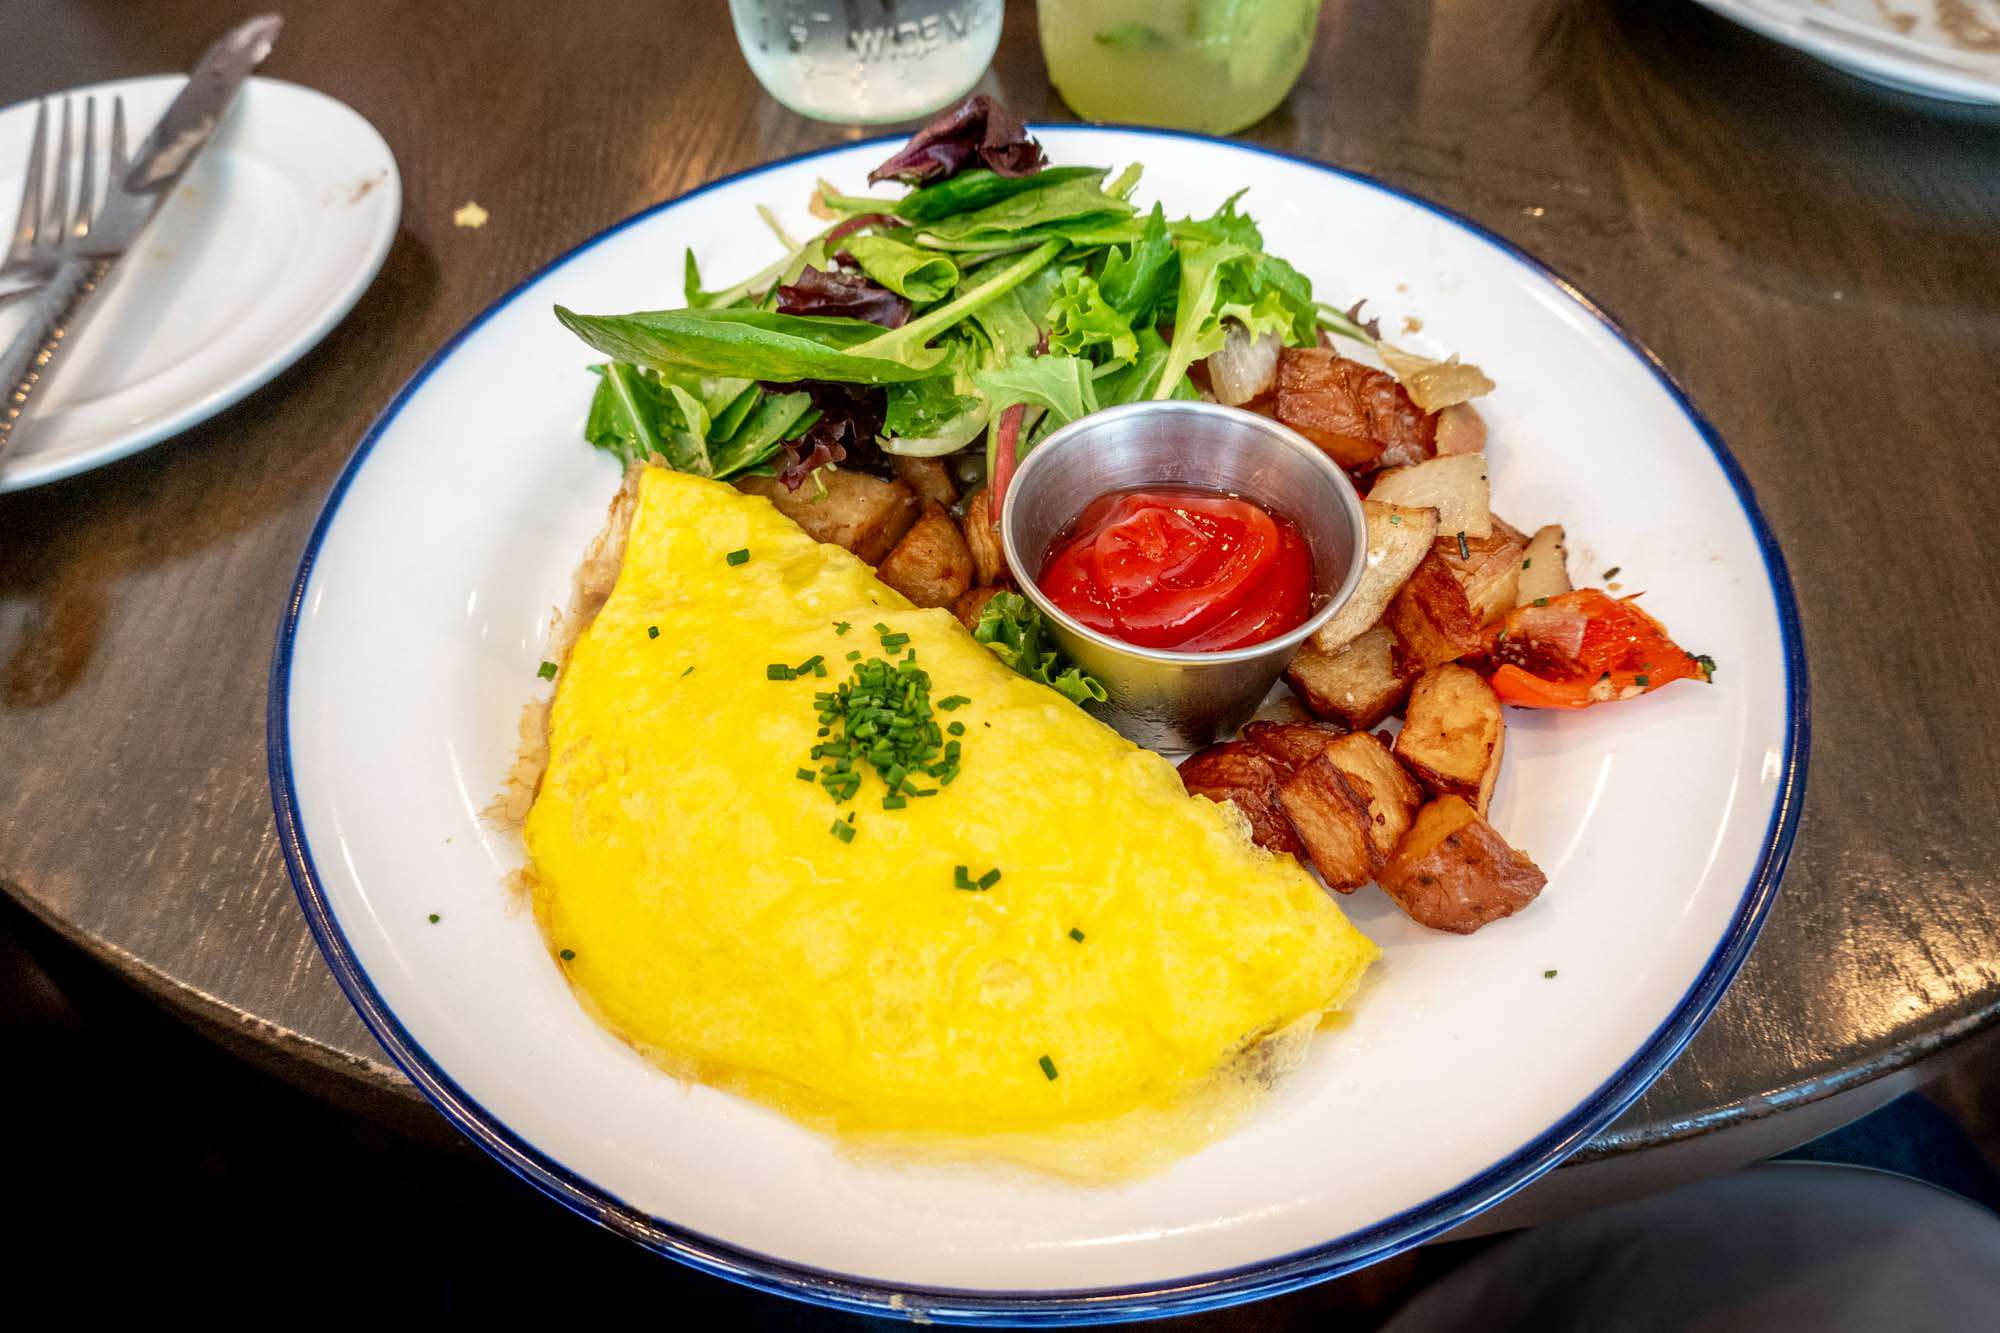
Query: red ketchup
[(1182, 570)]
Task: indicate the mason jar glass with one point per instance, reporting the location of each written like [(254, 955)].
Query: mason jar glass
[(1212, 65), (867, 61)]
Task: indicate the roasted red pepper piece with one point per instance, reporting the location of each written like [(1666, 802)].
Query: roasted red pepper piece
[(1582, 648)]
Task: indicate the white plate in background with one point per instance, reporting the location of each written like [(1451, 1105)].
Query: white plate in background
[(264, 246), (422, 610), (1911, 45)]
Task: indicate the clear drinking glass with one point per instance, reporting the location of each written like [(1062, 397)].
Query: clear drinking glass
[(867, 61), (1214, 65)]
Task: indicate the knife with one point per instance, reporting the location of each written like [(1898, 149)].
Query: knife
[(161, 160)]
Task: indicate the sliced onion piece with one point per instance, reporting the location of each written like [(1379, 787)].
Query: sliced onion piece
[(1245, 367)]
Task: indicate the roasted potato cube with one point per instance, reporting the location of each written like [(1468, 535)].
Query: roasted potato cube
[(1356, 685), (1489, 569), (1291, 745), (1329, 813), (1398, 539), (1359, 415), (1431, 617), (1456, 487), (1455, 872), (968, 607), (1460, 430), (931, 565), (1392, 794), (928, 477), (1544, 567), (983, 538), (865, 514), (1453, 734), (1240, 773)]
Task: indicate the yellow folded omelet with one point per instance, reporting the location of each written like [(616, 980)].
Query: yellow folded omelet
[(1134, 947)]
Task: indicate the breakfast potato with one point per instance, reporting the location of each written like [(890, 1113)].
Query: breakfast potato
[(1329, 813), (1432, 617), (1291, 745), (1456, 487), (1460, 430), (1488, 568), (1357, 684), (931, 565), (1544, 567), (1359, 415), (1454, 872), (1398, 539), (968, 607), (1392, 794), (1242, 774), (983, 539), (865, 514), (1453, 734), (928, 477)]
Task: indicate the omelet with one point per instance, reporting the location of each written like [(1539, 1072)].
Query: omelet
[(1133, 949)]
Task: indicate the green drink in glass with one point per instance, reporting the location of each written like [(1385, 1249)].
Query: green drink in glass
[(1214, 65)]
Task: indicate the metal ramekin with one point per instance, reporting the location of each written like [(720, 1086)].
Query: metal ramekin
[(1175, 700)]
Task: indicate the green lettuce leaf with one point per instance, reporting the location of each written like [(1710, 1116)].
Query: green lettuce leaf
[(1139, 278), (921, 275), (1014, 630), (978, 188), (1061, 385), (1081, 321), (754, 344)]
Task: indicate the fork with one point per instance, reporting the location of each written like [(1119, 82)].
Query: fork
[(44, 237)]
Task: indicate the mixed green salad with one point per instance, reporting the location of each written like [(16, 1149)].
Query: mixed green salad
[(990, 303)]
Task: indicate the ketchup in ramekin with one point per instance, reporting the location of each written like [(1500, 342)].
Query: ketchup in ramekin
[(1181, 570)]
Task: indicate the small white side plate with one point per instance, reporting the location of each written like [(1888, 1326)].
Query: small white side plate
[(1901, 44), (268, 241)]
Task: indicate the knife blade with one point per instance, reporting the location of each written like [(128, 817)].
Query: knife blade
[(172, 145)]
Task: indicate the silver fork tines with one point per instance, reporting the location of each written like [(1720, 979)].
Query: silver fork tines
[(52, 224)]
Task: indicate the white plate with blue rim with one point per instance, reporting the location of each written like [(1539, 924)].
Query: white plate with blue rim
[(1471, 1064), (265, 245)]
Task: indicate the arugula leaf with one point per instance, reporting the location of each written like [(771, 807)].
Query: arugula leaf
[(1198, 328), (1014, 630), (758, 344), (977, 187), (921, 275), (1137, 279), (1063, 385), (1066, 201), (729, 402), (1080, 319)]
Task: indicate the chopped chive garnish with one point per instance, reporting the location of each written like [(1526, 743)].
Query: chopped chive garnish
[(1541, 601), (806, 775), (738, 557), (1546, 975), (895, 802), (956, 728), (960, 878), (881, 628), (1076, 934), (1464, 552), (989, 879), (1642, 680), (567, 955), (842, 831), (854, 655), (1612, 573), (841, 627), (1707, 665), (687, 673), (894, 641), (951, 701), (777, 671), (652, 631), (1048, 1068), (1528, 563), (1396, 519), (547, 671), (434, 918)]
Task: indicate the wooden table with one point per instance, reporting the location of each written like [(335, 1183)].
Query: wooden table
[(1818, 260)]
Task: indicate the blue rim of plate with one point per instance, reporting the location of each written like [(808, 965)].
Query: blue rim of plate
[(1186, 1295)]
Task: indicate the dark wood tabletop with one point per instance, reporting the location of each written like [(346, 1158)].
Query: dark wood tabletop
[(1817, 259)]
